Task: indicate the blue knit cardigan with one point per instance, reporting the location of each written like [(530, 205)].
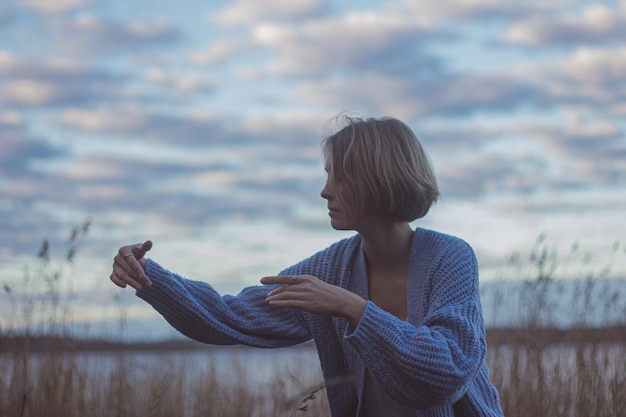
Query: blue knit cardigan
[(434, 361)]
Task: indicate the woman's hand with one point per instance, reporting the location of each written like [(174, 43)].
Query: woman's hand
[(129, 266), (308, 293)]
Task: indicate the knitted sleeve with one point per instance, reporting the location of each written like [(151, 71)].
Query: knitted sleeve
[(196, 310), (431, 364)]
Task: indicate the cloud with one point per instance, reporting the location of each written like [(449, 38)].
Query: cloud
[(243, 12), (219, 51), (10, 118), (478, 173), (594, 24), (9, 63), (54, 82), (476, 10), (7, 16), (31, 92), (39, 203), (88, 33), (21, 185), (192, 129), (181, 193), (363, 42), (19, 149), (593, 66), (158, 127), (185, 84), (579, 151), (407, 98), (185, 181), (54, 6), (590, 76), (67, 82), (573, 203), (152, 144), (575, 150), (588, 153), (447, 136), (251, 176)]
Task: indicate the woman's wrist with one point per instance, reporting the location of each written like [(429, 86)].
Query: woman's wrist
[(353, 310)]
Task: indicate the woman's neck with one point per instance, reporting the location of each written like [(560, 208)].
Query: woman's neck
[(386, 244)]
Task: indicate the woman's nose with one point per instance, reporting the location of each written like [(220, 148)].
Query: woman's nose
[(325, 193)]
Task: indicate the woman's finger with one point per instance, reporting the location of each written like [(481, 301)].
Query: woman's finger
[(145, 247), (117, 281), (283, 279), (127, 259), (123, 276)]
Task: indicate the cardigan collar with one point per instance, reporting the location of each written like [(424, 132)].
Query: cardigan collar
[(413, 293), (416, 270)]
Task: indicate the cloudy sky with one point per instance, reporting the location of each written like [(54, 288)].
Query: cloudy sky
[(198, 125)]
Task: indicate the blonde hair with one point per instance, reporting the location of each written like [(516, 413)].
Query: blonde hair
[(380, 167)]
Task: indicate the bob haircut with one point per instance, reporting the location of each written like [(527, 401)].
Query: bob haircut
[(378, 166)]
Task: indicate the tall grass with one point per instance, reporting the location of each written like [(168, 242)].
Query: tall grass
[(572, 379), (67, 384), (539, 369), (569, 380), (42, 302), (566, 353)]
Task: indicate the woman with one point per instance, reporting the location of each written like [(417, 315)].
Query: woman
[(394, 312)]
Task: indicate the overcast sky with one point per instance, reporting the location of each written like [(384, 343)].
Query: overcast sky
[(198, 124)]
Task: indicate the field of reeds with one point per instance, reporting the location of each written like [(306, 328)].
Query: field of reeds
[(140, 383), (537, 374), (541, 369)]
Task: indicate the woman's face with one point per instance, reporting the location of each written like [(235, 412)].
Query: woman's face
[(339, 213)]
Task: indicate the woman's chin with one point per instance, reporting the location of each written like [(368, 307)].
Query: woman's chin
[(340, 225)]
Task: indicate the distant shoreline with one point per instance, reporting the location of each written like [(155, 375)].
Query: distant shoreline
[(495, 336)]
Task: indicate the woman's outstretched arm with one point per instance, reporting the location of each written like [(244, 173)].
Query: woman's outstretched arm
[(198, 311)]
